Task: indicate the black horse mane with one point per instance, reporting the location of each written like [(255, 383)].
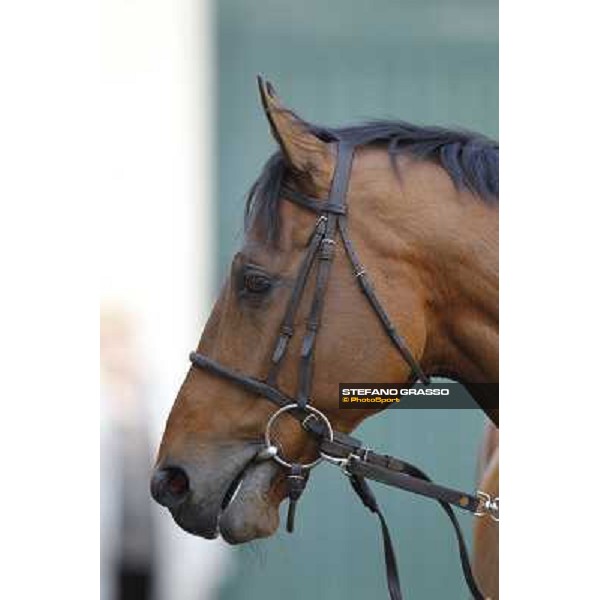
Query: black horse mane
[(471, 161)]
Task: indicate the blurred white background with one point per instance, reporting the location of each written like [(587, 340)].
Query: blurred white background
[(155, 280)]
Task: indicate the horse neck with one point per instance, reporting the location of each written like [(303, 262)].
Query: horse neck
[(453, 237), (462, 313)]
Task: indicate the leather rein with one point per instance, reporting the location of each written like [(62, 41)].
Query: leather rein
[(357, 462)]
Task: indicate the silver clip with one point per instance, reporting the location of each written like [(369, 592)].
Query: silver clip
[(488, 506), (335, 460)]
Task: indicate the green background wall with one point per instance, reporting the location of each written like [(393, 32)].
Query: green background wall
[(425, 61)]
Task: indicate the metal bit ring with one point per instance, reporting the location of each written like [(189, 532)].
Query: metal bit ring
[(311, 409)]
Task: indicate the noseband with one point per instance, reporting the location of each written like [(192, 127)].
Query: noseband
[(357, 462)]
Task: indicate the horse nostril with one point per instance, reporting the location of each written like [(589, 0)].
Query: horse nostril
[(169, 486)]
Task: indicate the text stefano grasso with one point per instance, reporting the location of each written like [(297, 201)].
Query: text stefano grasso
[(403, 391)]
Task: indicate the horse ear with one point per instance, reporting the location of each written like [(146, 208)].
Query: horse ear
[(304, 151)]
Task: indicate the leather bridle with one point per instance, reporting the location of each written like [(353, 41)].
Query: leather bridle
[(358, 462)]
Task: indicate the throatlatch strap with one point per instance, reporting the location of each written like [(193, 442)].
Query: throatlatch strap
[(369, 291)]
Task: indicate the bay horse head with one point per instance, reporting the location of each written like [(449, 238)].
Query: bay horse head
[(419, 205)]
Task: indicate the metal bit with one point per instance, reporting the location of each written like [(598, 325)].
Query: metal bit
[(267, 453)]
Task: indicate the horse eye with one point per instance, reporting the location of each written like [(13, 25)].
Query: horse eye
[(257, 283)]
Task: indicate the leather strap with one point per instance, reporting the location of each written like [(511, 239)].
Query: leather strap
[(364, 492), (313, 204), (287, 326), (296, 483), (369, 291), (417, 474), (337, 197), (412, 483)]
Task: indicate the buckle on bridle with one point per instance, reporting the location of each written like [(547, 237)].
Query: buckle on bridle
[(307, 419), (327, 249)]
